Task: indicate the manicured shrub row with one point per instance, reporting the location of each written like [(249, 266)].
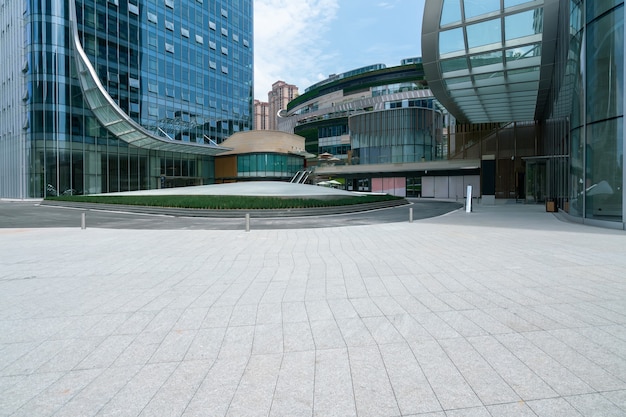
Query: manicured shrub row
[(225, 202)]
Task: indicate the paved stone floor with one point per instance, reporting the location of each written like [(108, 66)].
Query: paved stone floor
[(507, 311)]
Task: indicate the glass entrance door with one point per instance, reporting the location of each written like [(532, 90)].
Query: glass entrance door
[(535, 181)]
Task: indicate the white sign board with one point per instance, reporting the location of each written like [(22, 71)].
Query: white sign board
[(468, 202)]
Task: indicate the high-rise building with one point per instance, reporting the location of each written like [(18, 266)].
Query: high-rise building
[(556, 66), (112, 95), (261, 115), (281, 94)]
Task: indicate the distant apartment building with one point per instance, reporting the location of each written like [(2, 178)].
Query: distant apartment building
[(261, 115), (281, 94)]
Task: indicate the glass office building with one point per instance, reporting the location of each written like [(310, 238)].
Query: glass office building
[(558, 64), (113, 95)]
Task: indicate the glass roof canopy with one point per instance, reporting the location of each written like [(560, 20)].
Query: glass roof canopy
[(489, 60), (113, 118)]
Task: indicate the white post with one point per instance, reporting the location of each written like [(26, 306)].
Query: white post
[(468, 202), (410, 214), (83, 224), (247, 222)]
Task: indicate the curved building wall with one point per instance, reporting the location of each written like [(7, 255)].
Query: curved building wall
[(322, 114), (169, 65), (396, 136), (597, 139)]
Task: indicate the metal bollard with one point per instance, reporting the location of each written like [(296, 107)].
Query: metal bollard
[(83, 223), (247, 222), (410, 214)]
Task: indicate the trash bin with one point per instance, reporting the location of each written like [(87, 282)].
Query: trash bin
[(550, 206)]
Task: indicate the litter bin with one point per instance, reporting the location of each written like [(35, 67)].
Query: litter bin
[(550, 206)]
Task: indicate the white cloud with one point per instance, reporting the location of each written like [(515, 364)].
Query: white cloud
[(288, 42)]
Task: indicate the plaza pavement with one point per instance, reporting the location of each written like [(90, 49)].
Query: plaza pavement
[(507, 311)]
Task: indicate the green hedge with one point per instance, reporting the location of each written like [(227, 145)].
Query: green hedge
[(224, 202)]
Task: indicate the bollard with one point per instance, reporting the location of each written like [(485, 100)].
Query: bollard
[(410, 214), (247, 222), (83, 224)]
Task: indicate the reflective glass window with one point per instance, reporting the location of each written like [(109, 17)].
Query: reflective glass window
[(522, 52), (523, 24), (457, 80), (475, 8), (605, 71), (486, 59), (511, 3), (489, 76), (451, 41), (451, 12), (597, 8), (484, 33), (454, 64), (603, 170)]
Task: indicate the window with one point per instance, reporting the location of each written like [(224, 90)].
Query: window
[(133, 9), (212, 45), (224, 50), (224, 69), (224, 32), (169, 25), (235, 37), (212, 26), (169, 91), (199, 39), (169, 47), (212, 65), (245, 43), (133, 82), (152, 17), (153, 87), (184, 32), (153, 111), (169, 3), (225, 13)]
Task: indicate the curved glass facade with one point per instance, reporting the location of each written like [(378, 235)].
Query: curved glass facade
[(268, 165), (486, 49), (181, 69), (396, 136), (597, 138), (566, 57)]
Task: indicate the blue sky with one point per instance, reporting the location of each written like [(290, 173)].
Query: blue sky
[(303, 41)]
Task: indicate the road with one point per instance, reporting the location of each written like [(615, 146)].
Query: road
[(30, 214)]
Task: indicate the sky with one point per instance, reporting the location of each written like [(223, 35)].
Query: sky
[(302, 42)]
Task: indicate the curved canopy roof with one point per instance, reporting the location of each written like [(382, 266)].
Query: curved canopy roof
[(490, 60), (113, 118)]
